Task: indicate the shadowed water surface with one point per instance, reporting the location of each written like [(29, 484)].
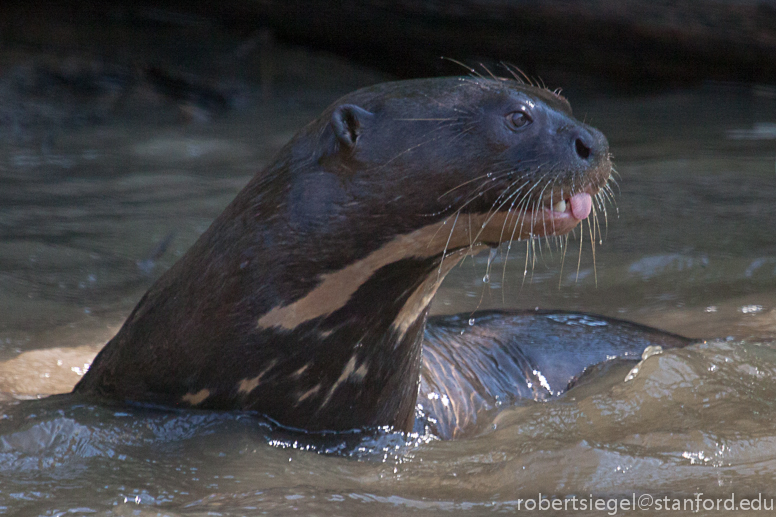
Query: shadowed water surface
[(690, 247)]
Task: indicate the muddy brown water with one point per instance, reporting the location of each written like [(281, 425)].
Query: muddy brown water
[(690, 247)]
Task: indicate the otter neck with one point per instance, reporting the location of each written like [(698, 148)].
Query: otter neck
[(361, 362)]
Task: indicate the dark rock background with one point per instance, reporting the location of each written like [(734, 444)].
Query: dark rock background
[(623, 43)]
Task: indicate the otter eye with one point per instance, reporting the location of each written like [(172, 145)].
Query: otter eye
[(518, 119)]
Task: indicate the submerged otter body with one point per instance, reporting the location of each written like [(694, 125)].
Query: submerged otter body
[(306, 299)]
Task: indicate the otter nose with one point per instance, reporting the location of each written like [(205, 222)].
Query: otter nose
[(582, 148), (589, 143)]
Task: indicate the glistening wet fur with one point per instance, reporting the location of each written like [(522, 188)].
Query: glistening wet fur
[(307, 298)]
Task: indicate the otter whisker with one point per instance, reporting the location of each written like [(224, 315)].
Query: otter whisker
[(544, 220), (523, 78), (520, 215), (509, 210), (492, 76), (525, 202), (514, 197), (444, 252), (518, 201), (564, 246), (486, 175), (591, 229), (420, 144), (609, 192), (601, 204), (552, 204), (439, 229), (514, 70), (511, 213), (466, 67), (518, 187), (597, 224), (537, 207), (477, 193), (410, 149), (538, 241), (606, 197), (613, 179), (579, 259), (525, 266), (463, 132), (492, 213), (494, 209)]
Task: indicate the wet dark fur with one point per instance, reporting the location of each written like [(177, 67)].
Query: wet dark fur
[(215, 330), (493, 359)]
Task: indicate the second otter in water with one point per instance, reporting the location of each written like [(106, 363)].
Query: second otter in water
[(306, 299)]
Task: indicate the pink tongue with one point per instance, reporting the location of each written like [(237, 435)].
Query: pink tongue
[(581, 204)]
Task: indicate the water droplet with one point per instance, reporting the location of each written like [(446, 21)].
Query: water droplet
[(471, 321), (486, 278)]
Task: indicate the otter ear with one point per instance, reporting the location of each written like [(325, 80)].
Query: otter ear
[(347, 122)]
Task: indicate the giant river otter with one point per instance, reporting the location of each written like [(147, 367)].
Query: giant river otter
[(307, 299)]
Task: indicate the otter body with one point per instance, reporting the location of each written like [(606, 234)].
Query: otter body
[(306, 299)]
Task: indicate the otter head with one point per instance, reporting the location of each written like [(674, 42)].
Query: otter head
[(505, 157)]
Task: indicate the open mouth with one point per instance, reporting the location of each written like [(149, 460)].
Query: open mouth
[(554, 219)]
